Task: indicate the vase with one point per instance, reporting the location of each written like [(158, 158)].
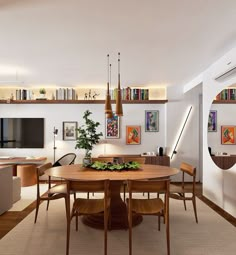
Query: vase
[(87, 161)]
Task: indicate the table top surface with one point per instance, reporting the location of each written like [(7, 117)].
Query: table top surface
[(78, 172)]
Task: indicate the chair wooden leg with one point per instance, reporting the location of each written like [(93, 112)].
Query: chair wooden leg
[(195, 208), (37, 210), (124, 191), (48, 204), (159, 222), (87, 195), (184, 202), (130, 232), (167, 235), (148, 195), (105, 232), (74, 196), (76, 220), (68, 226)]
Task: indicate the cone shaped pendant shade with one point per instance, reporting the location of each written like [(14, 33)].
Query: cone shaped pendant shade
[(119, 109), (108, 109)]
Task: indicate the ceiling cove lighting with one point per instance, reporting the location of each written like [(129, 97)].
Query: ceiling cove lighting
[(108, 108), (119, 109)]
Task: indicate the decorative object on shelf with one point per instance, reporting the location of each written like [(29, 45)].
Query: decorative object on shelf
[(119, 109), (55, 132), (212, 121), (108, 108), (109, 166), (133, 135), (95, 95), (151, 121), (89, 95), (87, 136), (228, 135), (69, 130), (42, 93), (112, 127)]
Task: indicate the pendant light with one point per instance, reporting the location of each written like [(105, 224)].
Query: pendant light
[(119, 110), (108, 109)]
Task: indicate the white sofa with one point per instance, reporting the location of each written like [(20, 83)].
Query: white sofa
[(6, 188)]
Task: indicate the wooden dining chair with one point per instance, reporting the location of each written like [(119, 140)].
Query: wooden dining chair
[(55, 192), (83, 206), (140, 160), (154, 206), (104, 160), (179, 192)]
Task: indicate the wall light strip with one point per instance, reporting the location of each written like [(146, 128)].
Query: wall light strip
[(174, 151)]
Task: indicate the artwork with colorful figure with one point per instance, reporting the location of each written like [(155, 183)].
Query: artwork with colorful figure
[(113, 127), (227, 134), (133, 135), (212, 121), (151, 121)]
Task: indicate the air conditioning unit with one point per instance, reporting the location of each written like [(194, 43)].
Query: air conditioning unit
[(229, 71)]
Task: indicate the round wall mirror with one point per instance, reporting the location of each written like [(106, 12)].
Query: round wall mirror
[(222, 128)]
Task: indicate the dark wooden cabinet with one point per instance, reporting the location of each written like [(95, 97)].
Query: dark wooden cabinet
[(153, 160), (224, 162)]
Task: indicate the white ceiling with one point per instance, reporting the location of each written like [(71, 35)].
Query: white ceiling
[(65, 42)]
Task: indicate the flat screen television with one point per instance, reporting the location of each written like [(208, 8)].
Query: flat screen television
[(21, 132)]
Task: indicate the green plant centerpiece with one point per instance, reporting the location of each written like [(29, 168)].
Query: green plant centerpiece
[(109, 166), (87, 137)]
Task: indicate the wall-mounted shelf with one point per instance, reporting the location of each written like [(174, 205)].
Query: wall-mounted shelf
[(45, 101), (224, 102)]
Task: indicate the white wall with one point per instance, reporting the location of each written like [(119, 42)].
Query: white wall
[(218, 185), (55, 114), (177, 110)]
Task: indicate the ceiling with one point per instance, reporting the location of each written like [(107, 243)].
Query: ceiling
[(162, 42)]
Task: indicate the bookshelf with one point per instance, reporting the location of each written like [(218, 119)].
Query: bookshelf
[(46, 101)]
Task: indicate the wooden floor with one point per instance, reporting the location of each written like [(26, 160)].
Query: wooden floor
[(10, 219)]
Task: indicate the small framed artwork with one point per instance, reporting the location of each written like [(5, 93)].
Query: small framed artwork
[(133, 135), (151, 121), (212, 121), (112, 127), (69, 130), (228, 135)]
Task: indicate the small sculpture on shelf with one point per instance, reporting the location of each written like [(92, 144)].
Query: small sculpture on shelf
[(89, 94), (85, 96), (95, 95)]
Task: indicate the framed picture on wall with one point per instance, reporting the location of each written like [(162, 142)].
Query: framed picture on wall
[(133, 135), (69, 130), (228, 135), (151, 121), (212, 121), (112, 126)]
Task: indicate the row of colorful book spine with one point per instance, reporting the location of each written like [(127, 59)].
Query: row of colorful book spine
[(227, 94), (131, 94)]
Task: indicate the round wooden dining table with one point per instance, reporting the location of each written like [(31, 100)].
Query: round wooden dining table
[(118, 210)]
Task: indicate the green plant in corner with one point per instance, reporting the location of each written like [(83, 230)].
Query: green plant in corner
[(87, 136)]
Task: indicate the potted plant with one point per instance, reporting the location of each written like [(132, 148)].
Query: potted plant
[(42, 92), (87, 136)]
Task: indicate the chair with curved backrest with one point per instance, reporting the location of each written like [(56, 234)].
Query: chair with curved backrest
[(56, 192), (155, 206), (140, 160), (178, 192), (67, 159), (83, 206)]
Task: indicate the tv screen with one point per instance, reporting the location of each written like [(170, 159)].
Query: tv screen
[(21, 132)]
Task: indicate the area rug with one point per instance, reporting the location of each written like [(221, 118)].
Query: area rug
[(213, 235), (28, 196)]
